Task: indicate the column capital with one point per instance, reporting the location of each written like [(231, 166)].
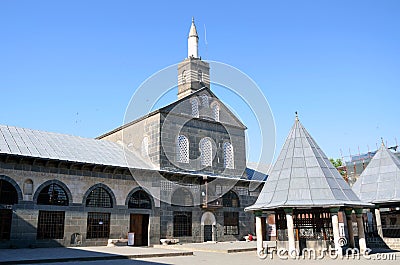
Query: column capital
[(288, 210), (348, 211), (334, 210), (358, 211)]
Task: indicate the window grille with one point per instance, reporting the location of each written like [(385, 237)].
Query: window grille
[(99, 197), (182, 146), (204, 100), (98, 225), (5, 223), (230, 199), (51, 225), (182, 224), (206, 152), (313, 224), (8, 194), (231, 223), (145, 147), (228, 156), (166, 185), (139, 199), (215, 111), (53, 194), (218, 190), (195, 107)]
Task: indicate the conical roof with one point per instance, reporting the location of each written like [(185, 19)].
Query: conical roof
[(303, 177), (193, 31), (380, 181)]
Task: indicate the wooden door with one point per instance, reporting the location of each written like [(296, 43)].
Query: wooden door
[(139, 224)]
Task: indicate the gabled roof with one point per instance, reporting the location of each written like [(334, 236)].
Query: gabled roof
[(303, 177), (380, 181), (56, 146), (170, 106), (201, 91)]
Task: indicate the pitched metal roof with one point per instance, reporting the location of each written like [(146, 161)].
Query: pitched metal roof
[(303, 177), (48, 145), (380, 181)]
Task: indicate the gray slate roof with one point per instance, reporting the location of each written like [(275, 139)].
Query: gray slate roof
[(303, 177), (380, 181), (48, 145)]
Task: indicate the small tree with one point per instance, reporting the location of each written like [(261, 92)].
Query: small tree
[(338, 163)]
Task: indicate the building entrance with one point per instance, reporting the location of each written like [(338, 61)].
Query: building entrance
[(139, 224)]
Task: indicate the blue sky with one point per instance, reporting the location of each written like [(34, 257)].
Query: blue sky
[(72, 66)]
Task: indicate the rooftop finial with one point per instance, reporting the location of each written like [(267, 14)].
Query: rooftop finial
[(297, 116), (383, 143), (192, 19)]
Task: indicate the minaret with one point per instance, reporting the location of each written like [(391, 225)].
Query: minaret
[(193, 42), (193, 73)]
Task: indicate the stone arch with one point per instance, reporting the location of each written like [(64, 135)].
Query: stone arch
[(15, 184), (208, 218), (140, 189), (215, 107), (182, 197), (208, 226), (105, 187), (231, 199), (49, 182)]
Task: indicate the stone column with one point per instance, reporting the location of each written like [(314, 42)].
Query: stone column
[(335, 228), (378, 222), (349, 219), (290, 227), (259, 232), (361, 234)]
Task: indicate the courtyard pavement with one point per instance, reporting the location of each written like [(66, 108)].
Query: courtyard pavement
[(79, 254), (232, 253)]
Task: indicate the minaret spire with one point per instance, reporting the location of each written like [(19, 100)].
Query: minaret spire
[(193, 41)]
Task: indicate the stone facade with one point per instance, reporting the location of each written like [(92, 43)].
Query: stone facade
[(192, 186)]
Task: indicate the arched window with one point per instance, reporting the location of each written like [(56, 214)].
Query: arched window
[(230, 199), (204, 100), (53, 194), (182, 197), (8, 193), (145, 147), (182, 149), (140, 200), (184, 77), (195, 107), (228, 156), (215, 111), (28, 187), (99, 197), (206, 152), (200, 76)]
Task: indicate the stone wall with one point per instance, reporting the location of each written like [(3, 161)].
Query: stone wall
[(78, 183)]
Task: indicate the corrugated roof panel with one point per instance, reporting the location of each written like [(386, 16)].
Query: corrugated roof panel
[(26, 142)]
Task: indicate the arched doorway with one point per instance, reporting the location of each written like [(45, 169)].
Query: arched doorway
[(8, 197), (140, 201), (208, 223)]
